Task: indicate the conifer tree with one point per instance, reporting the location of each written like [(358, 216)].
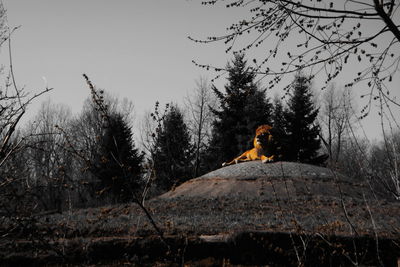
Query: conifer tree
[(242, 108), (302, 129), (279, 131), (173, 151), (118, 164)]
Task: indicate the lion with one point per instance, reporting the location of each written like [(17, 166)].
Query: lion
[(262, 147)]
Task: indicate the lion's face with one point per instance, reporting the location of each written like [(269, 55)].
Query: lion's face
[(263, 135)]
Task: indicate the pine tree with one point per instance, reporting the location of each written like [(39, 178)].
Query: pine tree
[(279, 131), (242, 108), (302, 129), (173, 151), (118, 164)]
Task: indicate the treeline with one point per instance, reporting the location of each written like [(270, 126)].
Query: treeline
[(59, 162)]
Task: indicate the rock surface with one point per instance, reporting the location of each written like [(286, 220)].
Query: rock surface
[(281, 169), (270, 181)]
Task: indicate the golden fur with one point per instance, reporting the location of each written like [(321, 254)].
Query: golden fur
[(261, 142)]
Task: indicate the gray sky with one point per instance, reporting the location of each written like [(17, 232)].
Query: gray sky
[(132, 48), (137, 49)]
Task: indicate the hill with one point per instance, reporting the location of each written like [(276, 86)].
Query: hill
[(278, 214)]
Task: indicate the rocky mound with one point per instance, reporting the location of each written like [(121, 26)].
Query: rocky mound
[(272, 180)]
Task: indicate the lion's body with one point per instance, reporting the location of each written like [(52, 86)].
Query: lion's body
[(262, 147)]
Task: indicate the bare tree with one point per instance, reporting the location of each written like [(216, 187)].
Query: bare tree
[(151, 125), (3, 26), (17, 201), (335, 117), (49, 163), (322, 36), (385, 164), (199, 116), (147, 127), (13, 104), (14, 100)]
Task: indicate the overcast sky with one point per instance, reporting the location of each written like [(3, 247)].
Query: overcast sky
[(138, 49), (132, 48)]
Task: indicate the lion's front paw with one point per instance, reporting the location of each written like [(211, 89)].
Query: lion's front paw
[(268, 159), (224, 164)]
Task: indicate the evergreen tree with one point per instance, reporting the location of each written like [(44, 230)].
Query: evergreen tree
[(118, 164), (302, 129), (279, 131), (173, 151), (242, 108)]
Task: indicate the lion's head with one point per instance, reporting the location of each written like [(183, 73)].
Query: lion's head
[(263, 136)]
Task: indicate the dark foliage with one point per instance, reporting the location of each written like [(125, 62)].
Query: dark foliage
[(279, 129), (242, 108), (173, 151), (302, 130), (118, 164)]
